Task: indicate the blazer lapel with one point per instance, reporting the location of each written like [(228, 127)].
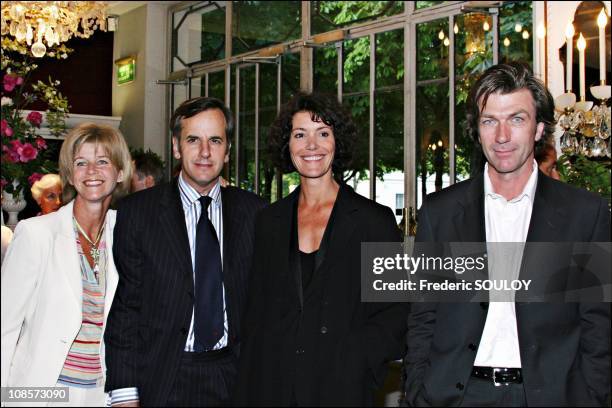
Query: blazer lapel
[(172, 219), (288, 262), (547, 212), (469, 221), (112, 277), (342, 227), (66, 245)]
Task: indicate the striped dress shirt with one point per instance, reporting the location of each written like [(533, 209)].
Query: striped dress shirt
[(193, 209)]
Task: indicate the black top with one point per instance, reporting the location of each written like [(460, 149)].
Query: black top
[(304, 269), (308, 267)]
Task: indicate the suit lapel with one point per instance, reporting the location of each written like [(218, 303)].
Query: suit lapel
[(66, 245), (172, 219), (231, 235), (469, 221)]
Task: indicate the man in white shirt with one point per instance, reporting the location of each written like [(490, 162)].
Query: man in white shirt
[(504, 353)]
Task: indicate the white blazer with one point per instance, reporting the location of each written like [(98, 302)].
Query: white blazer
[(42, 293)]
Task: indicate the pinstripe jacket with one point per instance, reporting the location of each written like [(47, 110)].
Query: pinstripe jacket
[(149, 320)]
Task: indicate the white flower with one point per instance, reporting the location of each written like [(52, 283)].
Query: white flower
[(6, 101), (64, 55)]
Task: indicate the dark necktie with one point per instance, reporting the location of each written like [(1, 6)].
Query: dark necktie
[(208, 314)]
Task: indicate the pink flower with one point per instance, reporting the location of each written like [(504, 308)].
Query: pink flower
[(3, 183), (6, 129), (35, 118), (11, 81), (11, 155), (27, 152), (41, 143), (34, 178)]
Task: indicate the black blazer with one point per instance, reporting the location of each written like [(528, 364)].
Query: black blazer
[(326, 345), (565, 347), (149, 320)]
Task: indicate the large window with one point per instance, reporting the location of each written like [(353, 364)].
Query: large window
[(408, 102), (258, 24)]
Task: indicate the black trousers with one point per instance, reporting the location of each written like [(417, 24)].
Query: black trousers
[(483, 393), (204, 379)]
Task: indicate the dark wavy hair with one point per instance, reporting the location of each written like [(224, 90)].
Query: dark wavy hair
[(322, 108), (505, 79)]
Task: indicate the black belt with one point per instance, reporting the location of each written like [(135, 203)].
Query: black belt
[(499, 376)]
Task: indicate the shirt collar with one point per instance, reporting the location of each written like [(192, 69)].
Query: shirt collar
[(189, 195), (528, 191)]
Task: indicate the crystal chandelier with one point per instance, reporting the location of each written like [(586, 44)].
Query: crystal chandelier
[(586, 129), (51, 22)]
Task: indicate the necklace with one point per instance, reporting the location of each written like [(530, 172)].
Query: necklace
[(94, 251)]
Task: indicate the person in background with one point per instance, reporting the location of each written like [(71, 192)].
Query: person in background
[(59, 277), (546, 157), (148, 169), (308, 338), (47, 192)]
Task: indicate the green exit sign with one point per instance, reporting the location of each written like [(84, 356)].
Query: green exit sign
[(126, 70)]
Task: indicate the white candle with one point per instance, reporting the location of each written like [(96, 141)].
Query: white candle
[(602, 20), (541, 34), (581, 44), (569, 35)]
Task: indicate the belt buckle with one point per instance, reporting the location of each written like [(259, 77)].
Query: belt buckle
[(495, 382)]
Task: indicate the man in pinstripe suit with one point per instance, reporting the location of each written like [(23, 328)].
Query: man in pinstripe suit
[(153, 354)]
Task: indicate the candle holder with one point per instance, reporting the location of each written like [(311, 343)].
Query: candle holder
[(586, 129)]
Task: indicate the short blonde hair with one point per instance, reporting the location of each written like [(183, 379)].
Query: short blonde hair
[(46, 181), (113, 143)]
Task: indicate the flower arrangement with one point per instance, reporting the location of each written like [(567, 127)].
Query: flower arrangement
[(24, 153)]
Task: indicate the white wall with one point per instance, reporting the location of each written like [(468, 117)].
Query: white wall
[(141, 103)]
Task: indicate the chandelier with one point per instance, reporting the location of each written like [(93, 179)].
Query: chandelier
[(51, 22), (586, 128)]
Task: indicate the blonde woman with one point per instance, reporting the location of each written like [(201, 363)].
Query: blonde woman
[(47, 192), (59, 278)]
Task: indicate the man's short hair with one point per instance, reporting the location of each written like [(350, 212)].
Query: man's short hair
[(505, 79), (192, 107), (148, 163)]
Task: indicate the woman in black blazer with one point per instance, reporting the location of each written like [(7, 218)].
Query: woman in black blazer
[(308, 338)]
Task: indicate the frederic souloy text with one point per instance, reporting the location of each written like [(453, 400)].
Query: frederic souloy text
[(424, 285), (427, 263)]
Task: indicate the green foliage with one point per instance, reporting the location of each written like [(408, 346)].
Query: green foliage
[(585, 173)]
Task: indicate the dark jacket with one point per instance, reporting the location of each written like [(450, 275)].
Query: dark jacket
[(149, 320), (564, 347), (325, 346)]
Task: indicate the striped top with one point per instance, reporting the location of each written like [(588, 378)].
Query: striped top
[(82, 367), (192, 209)]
